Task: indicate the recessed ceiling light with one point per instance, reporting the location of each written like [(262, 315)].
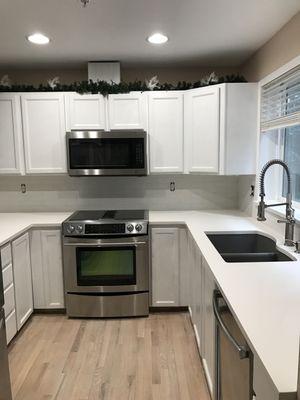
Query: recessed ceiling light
[(157, 38), (38, 38)]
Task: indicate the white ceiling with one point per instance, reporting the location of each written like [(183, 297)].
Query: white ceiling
[(202, 32)]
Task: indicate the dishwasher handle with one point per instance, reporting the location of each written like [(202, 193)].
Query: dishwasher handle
[(242, 350)]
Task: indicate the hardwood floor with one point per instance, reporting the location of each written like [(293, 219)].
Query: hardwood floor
[(151, 358)]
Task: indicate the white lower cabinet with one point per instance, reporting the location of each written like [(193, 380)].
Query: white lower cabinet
[(47, 273), (209, 326), (165, 266), (11, 326), (32, 276), (22, 279), (9, 293)]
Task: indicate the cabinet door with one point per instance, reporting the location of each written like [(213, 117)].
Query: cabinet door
[(184, 268), (165, 266), (202, 129), (166, 132), (47, 275), (85, 111), (198, 297), (127, 111), (22, 279), (192, 264), (209, 327), (53, 273), (11, 144), (44, 133)]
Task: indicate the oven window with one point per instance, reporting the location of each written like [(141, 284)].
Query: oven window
[(126, 153), (106, 266)]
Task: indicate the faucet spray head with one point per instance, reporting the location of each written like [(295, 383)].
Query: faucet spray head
[(261, 209)]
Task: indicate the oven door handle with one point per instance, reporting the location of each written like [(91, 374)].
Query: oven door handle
[(90, 244), (242, 350)]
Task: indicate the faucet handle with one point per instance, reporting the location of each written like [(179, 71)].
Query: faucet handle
[(289, 220)]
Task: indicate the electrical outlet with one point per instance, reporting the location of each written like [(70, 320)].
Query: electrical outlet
[(23, 188), (172, 187)]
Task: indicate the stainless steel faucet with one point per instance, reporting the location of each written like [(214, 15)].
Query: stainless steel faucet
[(289, 220)]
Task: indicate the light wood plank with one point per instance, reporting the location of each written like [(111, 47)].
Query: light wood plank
[(155, 358)]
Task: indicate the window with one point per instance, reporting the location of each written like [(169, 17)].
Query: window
[(292, 158), (280, 132)]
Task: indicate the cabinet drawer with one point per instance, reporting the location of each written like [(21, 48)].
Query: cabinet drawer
[(6, 258), (7, 274), (9, 300), (11, 326)]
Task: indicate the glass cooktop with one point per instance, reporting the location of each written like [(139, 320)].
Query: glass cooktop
[(117, 215)]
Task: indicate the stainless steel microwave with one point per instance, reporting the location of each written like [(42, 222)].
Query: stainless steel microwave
[(117, 153)]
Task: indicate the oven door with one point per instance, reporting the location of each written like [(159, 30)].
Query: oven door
[(106, 153), (106, 265)]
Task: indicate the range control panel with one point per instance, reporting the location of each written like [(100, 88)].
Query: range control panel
[(100, 229)]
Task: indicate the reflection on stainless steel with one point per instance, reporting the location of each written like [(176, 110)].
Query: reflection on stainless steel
[(234, 360), (106, 265)]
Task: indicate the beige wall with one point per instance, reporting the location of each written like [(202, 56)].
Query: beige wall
[(175, 74), (165, 74), (280, 49)]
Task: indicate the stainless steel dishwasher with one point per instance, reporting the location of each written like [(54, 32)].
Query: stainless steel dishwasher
[(234, 360)]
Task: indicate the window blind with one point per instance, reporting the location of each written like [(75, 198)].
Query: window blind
[(280, 101)]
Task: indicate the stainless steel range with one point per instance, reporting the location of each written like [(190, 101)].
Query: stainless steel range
[(106, 263)]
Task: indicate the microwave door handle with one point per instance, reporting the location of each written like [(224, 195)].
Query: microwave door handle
[(242, 350)]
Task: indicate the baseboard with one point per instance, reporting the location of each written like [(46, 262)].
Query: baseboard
[(49, 311), (153, 309)]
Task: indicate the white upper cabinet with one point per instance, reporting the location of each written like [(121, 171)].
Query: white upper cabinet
[(220, 129), (44, 133), (85, 111), (239, 126), (127, 111), (202, 129), (166, 132), (11, 144)]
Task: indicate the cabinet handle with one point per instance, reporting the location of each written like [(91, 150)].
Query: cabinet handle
[(242, 350)]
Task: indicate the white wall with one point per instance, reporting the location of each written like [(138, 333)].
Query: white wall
[(63, 193)]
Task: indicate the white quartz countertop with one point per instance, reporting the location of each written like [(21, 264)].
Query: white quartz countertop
[(14, 224), (265, 297)]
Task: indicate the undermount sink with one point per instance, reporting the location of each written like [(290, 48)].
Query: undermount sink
[(247, 247)]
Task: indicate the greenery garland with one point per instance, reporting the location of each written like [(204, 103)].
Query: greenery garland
[(106, 88)]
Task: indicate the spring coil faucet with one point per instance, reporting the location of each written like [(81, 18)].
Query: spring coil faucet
[(289, 213)]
